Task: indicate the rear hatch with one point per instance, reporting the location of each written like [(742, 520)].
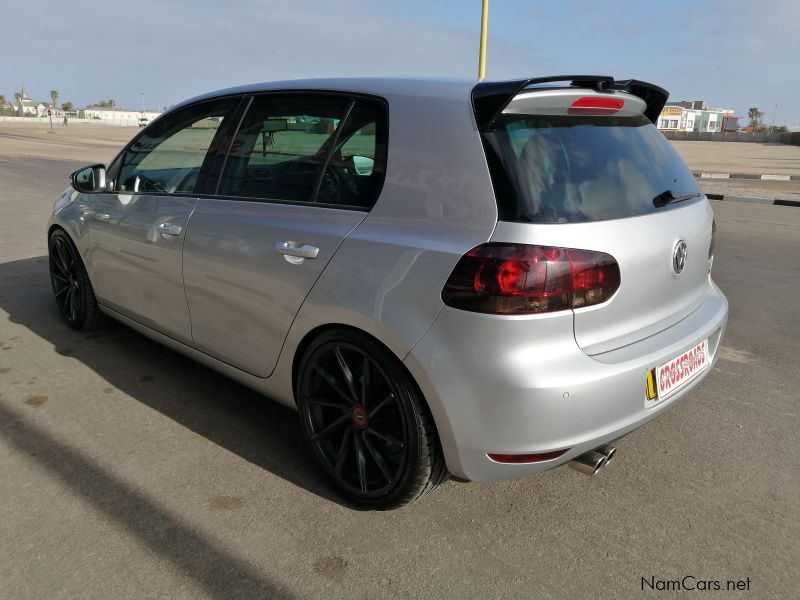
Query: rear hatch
[(580, 168)]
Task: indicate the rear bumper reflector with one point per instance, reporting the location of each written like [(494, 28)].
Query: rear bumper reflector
[(521, 459)]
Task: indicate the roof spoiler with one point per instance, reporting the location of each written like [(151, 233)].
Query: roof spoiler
[(490, 98)]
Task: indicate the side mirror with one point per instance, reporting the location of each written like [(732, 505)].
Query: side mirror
[(363, 164), (89, 179)]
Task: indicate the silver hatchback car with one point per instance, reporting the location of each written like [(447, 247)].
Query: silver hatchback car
[(443, 278)]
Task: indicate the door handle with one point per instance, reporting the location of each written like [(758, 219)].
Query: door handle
[(169, 229), (295, 250)]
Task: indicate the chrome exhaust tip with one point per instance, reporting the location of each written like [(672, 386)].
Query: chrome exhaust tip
[(607, 450), (589, 463)]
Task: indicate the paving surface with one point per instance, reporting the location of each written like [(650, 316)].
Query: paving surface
[(787, 190), (740, 157), (128, 471)]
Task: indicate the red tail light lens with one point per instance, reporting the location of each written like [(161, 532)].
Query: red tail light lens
[(596, 105), (521, 459), (520, 279)]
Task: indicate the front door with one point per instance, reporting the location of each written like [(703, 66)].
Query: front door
[(137, 232)]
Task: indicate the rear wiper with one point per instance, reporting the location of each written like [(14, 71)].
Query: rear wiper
[(670, 197)]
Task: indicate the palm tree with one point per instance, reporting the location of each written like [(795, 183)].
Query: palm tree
[(755, 117), (2, 104), (54, 97)]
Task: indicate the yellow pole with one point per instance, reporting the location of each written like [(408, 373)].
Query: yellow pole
[(482, 51)]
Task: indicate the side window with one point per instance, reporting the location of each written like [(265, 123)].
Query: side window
[(282, 146), (355, 172), (301, 148), (169, 156)]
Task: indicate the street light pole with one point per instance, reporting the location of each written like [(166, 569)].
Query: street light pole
[(482, 51), (774, 112), (142, 103)]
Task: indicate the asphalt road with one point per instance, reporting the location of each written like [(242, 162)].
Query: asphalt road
[(740, 157), (128, 471)]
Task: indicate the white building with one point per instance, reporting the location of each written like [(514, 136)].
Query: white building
[(696, 116), (26, 107), (119, 114)]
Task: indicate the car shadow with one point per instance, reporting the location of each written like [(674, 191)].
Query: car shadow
[(244, 422)]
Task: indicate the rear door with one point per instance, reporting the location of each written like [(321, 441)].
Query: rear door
[(302, 172), (137, 231), (604, 179)]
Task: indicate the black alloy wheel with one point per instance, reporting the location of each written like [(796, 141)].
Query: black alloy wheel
[(367, 424), (71, 287)]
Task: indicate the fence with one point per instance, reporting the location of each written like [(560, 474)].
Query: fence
[(72, 121), (761, 137)]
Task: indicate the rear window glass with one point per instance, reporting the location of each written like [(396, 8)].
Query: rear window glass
[(567, 169)]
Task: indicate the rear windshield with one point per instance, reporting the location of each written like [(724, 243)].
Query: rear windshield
[(568, 169)]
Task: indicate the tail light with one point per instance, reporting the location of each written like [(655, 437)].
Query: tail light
[(518, 279), (596, 105)]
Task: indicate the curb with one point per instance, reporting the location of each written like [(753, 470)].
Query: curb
[(746, 200), (762, 177)]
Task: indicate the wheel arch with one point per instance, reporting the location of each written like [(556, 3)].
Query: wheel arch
[(73, 238), (317, 331), (55, 226), (314, 333)]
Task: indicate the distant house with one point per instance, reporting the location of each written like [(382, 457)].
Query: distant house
[(26, 107), (695, 115)]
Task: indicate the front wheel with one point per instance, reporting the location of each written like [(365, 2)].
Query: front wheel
[(367, 424), (71, 286)]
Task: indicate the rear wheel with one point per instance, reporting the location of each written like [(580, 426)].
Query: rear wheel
[(71, 286), (368, 425)]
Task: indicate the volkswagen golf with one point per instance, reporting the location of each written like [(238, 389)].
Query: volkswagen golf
[(444, 278)]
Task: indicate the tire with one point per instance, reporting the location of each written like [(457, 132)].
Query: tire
[(366, 422), (71, 286)]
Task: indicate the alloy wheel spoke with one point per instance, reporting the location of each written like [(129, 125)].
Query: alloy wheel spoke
[(62, 263), (59, 277), (67, 299), (72, 308), (386, 438), (344, 452), (346, 372), (65, 288), (365, 375), (330, 428), (361, 461), (384, 402), (384, 469), (331, 381), (326, 402)]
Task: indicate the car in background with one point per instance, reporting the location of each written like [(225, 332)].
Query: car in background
[(485, 280), (144, 121)]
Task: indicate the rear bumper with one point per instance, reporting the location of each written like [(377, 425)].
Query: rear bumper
[(522, 385)]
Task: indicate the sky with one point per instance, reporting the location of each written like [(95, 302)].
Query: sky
[(732, 53)]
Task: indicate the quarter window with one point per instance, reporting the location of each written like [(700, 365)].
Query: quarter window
[(355, 172), (169, 157)]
